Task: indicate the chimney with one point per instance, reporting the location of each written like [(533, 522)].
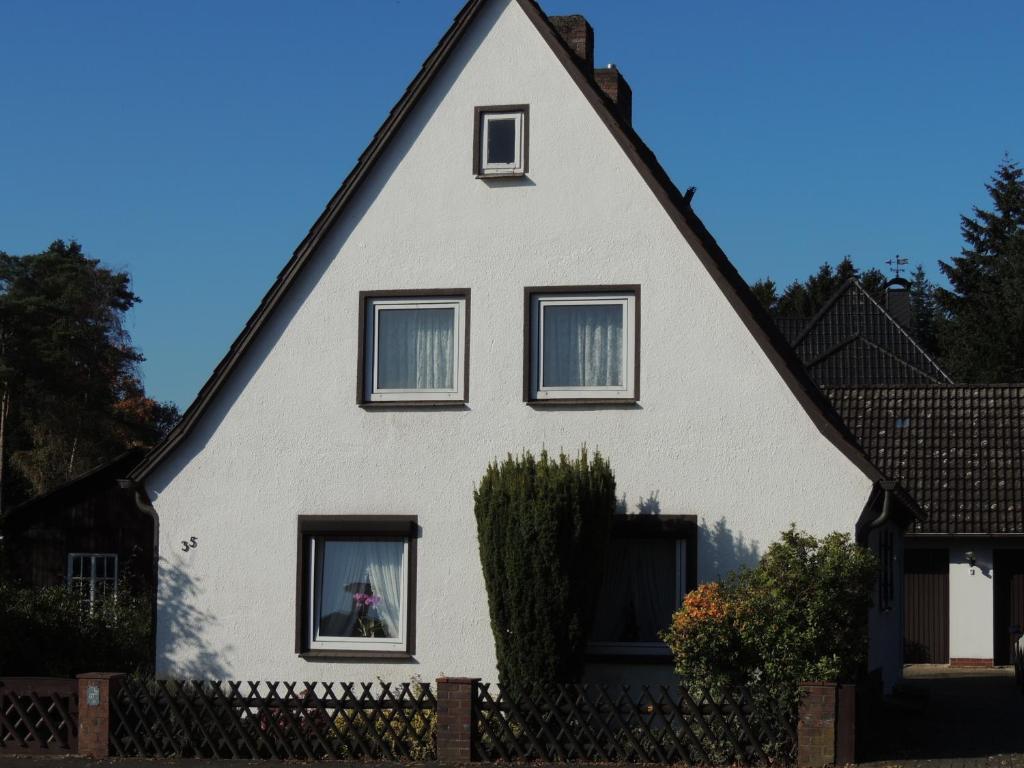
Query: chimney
[(897, 302), (579, 36), (615, 87)]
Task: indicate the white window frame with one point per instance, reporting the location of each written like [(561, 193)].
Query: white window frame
[(376, 394), (314, 591), (647, 648), (92, 579), (518, 165), (625, 391)]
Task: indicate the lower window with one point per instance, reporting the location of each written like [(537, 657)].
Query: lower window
[(92, 575), (650, 564), (356, 585)]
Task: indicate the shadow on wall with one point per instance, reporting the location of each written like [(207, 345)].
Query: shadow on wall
[(648, 506), (180, 649), (720, 552)]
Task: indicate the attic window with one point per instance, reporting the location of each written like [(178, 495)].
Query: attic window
[(500, 141)]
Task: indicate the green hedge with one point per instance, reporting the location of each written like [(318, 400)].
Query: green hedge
[(543, 528), (50, 632)]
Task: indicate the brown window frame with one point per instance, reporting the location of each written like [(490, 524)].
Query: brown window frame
[(391, 526), (478, 117), (463, 294), (597, 290)]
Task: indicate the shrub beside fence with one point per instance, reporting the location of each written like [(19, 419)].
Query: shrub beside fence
[(456, 720)]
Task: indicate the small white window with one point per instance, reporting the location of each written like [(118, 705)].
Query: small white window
[(92, 575), (358, 593), (414, 349), (583, 346), (502, 134)]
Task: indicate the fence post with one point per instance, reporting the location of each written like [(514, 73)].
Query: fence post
[(94, 692), (816, 727), (455, 718)]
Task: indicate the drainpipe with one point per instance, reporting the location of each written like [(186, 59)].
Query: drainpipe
[(145, 507)]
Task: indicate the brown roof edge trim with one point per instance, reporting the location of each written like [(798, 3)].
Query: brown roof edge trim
[(735, 288), (301, 255), (711, 255)]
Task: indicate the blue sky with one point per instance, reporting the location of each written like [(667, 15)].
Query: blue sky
[(193, 143)]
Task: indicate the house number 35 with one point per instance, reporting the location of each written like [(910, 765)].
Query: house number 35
[(192, 543)]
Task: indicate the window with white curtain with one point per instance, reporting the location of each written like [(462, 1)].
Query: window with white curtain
[(414, 348), (356, 585), (92, 575), (583, 345), (644, 584)]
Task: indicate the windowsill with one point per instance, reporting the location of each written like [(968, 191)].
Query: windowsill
[(503, 175), (319, 654), (625, 657), (555, 402), (378, 405)]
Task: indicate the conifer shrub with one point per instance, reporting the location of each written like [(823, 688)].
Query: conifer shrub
[(543, 527), (800, 614)]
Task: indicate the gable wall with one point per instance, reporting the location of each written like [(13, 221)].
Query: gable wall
[(717, 433)]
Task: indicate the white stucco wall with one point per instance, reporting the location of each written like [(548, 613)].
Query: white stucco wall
[(717, 433), (970, 602)]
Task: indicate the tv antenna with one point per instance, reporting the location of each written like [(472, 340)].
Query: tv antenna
[(897, 264)]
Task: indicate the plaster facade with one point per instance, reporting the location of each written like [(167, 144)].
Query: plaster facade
[(970, 602), (716, 433)]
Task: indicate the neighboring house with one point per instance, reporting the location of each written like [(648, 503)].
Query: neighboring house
[(87, 533), (507, 267), (853, 341), (959, 451)]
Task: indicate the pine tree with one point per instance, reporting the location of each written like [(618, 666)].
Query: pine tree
[(982, 330), (802, 299), (924, 309)]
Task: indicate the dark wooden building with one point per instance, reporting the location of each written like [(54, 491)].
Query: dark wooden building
[(87, 532)]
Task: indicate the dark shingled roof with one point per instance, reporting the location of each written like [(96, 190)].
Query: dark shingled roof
[(958, 450), (853, 341)]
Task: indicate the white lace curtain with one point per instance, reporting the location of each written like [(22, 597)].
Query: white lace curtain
[(583, 346), (348, 568), (415, 348)]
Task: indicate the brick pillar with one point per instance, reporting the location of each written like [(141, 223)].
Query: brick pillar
[(816, 727), (94, 692), (455, 718)]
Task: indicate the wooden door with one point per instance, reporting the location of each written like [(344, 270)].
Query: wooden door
[(1008, 594), (926, 615)]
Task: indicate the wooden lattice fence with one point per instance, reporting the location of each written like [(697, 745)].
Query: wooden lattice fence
[(657, 724), (271, 720), (38, 715)]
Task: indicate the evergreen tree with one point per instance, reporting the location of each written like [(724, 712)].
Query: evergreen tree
[(982, 329), (925, 310), (804, 298), (70, 393), (543, 528)]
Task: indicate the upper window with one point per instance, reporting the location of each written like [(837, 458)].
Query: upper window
[(356, 584), (501, 139), (646, 576), (413, 347), (92, 575), (583, 344)]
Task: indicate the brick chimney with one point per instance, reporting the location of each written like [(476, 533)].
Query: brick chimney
[(579, 36), (897, 302), (615, 87)]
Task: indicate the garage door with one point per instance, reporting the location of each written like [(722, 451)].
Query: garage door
[(926, 619)]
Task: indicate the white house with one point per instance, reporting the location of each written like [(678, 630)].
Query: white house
[(507, 267)]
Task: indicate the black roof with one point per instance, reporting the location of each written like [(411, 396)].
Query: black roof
[(958, 450), (853, 341)]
